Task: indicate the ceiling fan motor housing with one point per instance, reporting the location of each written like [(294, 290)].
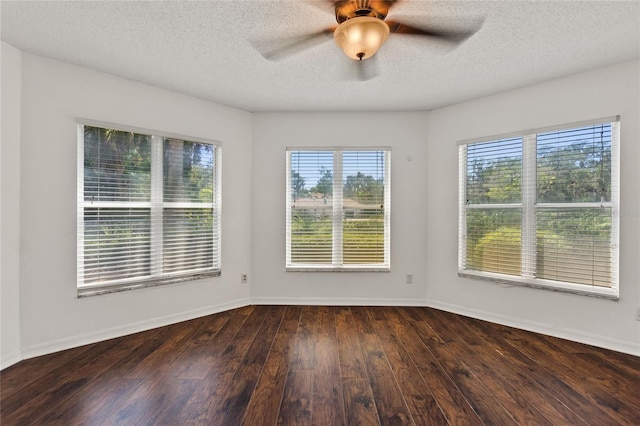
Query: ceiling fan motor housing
[(349, 9)]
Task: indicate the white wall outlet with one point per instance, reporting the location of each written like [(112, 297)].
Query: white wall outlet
[(409, 279), (244, 278)]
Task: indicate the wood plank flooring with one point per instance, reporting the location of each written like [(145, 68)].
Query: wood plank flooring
[(320, 365)]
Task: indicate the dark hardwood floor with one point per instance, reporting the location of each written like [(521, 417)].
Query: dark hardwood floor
[(267, 365)]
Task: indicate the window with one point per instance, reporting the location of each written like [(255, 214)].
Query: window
[(540, 208), (148, 209), (338, 211)]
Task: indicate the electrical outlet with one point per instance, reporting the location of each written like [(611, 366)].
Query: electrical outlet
[(638, 313), (409, 278), (244, 278)]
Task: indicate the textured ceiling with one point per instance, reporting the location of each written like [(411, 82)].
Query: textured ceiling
[(211, 49)]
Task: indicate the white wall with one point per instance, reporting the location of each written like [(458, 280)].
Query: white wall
[(54, 95), (406, 134), (424, 207), (610, 91), (10, 206), (40, 310)]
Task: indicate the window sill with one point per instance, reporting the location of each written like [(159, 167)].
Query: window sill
[(136, 285), (562, 287), (331, 268)]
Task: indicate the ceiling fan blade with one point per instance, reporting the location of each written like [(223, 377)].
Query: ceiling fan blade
[(323, 5), (452, 35), (295, 45)]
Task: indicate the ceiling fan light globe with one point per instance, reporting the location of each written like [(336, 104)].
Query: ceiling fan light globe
[(361, 37)]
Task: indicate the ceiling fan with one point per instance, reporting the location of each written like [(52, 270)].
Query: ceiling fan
[(362, 30)]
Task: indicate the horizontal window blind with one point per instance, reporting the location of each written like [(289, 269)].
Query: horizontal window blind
[(310, 205), (574, 165), (117, 244), (190, 218), (189, 242), (117, 165), (574, 208), (363, 219), (337, 208), (539, 208), (148, 209), (574, 245), (493, 193), (494, 240), (494, 172)]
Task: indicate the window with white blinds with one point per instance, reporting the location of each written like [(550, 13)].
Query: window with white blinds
[(338, 209), (540, 208), (148, 209)]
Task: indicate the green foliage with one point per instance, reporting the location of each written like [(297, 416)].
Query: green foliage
[(364, 188), (566, 172), (107, 238), (497, 181), (360, 187), (206, 195), (500, 250), (579, 172), (482, 221), (575, 172), (297, 185), (311, 234), (325, 183), (497, 251), (187, 170), (577, 221), (363, 239), (117, 165)]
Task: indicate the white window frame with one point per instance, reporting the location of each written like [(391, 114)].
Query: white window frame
[(529, 206), (156, 205), (337, 260)]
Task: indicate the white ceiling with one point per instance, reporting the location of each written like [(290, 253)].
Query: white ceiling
[(210, 49)]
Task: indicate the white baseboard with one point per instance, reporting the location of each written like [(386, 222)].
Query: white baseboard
[(9, 359), (333, 301), (573, 335), (84, 339)]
